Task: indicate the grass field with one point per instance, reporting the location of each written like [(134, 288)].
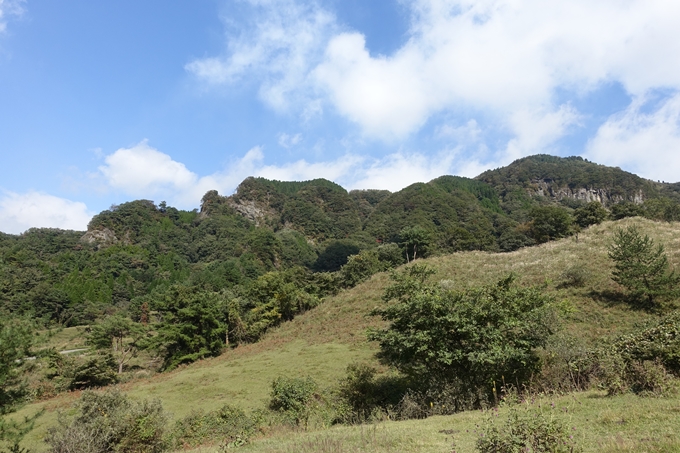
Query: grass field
[(599, 424), (323, 341)]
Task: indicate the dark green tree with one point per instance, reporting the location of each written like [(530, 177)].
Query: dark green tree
[(549, 222), (191, 326), (591, 214), (474, 337), (15, 341), (641, 267)]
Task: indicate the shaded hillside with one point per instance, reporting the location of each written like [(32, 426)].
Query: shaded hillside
[(457, 214)]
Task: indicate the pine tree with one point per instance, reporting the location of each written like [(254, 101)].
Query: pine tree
[(641, 266)]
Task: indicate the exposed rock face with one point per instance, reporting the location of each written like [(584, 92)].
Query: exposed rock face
[(251, 210), (546, 188), (102, 238)]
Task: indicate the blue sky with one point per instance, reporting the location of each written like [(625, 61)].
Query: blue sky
[(104, 102)]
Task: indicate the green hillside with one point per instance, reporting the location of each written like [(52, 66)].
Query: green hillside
[(208, 307), (323, 341)]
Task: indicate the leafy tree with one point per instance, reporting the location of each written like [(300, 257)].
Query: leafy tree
[(591, 214), (475, 337), (548, 223), (641, 267), (414, 239), (119, 335)]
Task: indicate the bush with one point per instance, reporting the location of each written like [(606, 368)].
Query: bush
[(109, 421), (479, 336), (229, 424), (575, 276), (660, 341), (95, 371), (530, 431), (293, 397), (366, 395)]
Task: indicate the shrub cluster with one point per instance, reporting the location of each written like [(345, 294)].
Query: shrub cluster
[(536, 431), (109, 421), (229, 425)]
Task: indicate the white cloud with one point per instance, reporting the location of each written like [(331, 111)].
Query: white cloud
[(647, 143), (145, 171), (277, 46), (288, 141), (9, 8), (19, 212), (504, 58)]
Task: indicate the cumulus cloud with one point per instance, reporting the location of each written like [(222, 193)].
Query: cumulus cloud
[(19, 212), (643, 140), (145, 172), (506, 59)]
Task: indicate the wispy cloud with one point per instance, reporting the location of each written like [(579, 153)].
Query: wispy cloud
[(276, 44), (9, 8)]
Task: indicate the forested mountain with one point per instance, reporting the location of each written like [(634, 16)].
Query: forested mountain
[(137, 249)]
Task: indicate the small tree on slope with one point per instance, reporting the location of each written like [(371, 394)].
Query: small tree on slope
[(641, 267)]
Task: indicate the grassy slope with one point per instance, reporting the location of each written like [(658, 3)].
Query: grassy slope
[(323, 341)]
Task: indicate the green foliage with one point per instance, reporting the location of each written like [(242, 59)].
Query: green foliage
[(367, 394), (454, 218), (191, 326), (641, 267), (279, 296), (479, 336), (662, 208), (414, 239), (363, 265), (118, 335), (15, 341), (548, 223), (293, 396), (335, 255), (591, 214), (109, 421), (660, 341), (535, 431), (228, 424), (93, 371), (626, 209)]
